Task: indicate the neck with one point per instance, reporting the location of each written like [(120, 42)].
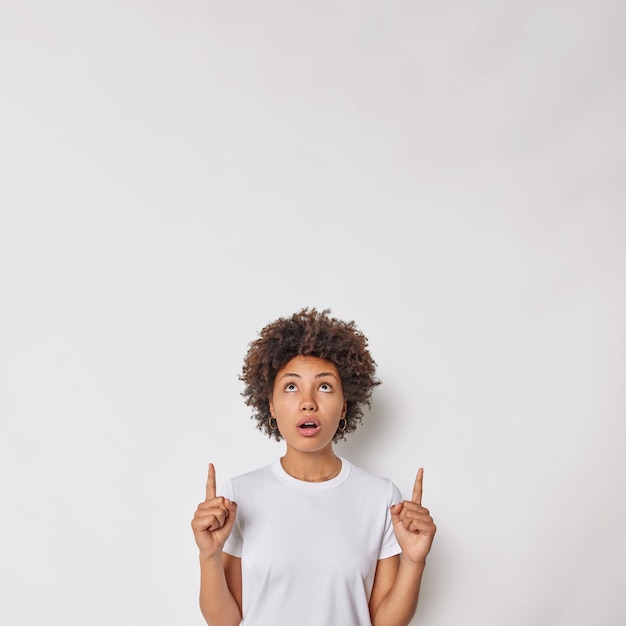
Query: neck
[(311, 466)]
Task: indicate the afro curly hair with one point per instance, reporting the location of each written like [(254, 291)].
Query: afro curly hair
[(312, 333)]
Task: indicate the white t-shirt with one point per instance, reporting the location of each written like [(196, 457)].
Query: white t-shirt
[(309, 550)]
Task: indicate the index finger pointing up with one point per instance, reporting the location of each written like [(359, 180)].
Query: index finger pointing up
[(417, 487), (210, 482)]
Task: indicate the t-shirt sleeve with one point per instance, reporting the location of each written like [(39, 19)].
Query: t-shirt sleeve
[(389, 545), (234, 543)]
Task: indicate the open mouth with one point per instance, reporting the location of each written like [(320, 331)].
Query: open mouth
[(308, 428)]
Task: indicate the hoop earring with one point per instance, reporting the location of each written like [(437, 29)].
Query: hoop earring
[(269, 423), (345, 423)]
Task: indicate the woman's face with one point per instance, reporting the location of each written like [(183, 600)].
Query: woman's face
[(307, 402)]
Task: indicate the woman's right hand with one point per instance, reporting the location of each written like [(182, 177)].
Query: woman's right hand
[(213, 520)]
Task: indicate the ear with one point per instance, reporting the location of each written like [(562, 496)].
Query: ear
[(344, 410), (271, 406)]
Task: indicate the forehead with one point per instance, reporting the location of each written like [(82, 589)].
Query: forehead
[(306, 364)]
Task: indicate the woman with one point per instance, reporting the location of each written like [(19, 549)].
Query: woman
[(310, 540)]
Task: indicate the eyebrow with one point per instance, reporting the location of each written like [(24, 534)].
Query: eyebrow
[(320, 375)]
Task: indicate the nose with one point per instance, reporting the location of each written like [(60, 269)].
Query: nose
[(308, 404)]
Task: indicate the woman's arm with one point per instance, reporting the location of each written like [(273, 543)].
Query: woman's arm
[(220, 573), (398, 579), (220, 589), (395, 592)]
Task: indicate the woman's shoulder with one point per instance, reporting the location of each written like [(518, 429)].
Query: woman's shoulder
[(369, 480), (252, 479), (253, 476), (371, 488)]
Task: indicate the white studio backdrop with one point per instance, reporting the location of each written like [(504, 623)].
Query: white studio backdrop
[(177, 174)]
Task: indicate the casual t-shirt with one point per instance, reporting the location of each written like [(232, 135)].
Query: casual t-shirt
[(309, 550)]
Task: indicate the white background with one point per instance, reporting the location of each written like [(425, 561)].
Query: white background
[(177, 174)]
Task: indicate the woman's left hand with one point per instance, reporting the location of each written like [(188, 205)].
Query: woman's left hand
[(412, 524)]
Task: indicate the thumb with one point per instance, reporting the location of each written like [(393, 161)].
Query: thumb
[(395, 513), (232, 514)]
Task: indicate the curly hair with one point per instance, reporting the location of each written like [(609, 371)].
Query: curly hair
[(311, 333)]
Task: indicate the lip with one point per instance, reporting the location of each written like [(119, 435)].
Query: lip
[(309, 432)]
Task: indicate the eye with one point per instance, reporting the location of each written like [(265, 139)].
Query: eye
[(290, 387), (326, 388)]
